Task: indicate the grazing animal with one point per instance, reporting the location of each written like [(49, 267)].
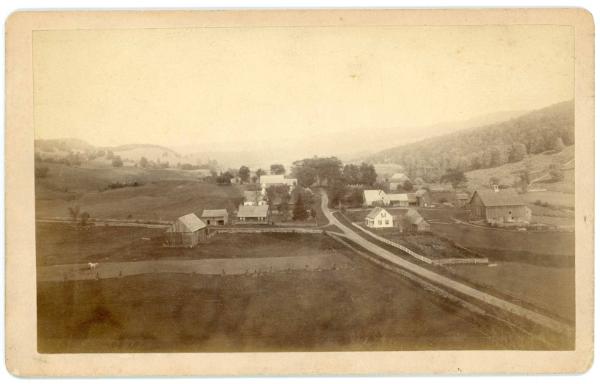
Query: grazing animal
[(92, 266)]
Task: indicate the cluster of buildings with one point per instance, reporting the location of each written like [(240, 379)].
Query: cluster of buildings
[(409, 221), (189, 230)]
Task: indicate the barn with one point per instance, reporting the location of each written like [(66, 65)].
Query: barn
[(379, 218), (374, 197), (498, 207), (398, 199), (187, 231)]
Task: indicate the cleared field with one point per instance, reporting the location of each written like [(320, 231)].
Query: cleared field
[(558, 199), (63, 244), (512, 244), (161, 194), (362, 308), (549, 288), (427, 245)]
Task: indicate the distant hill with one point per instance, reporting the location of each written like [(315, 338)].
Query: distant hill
[(486, 146)]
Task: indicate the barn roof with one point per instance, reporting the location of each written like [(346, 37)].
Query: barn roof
[(462, 196), (214, 213), (398, 196), (375, 212), (253, 211), (501, 198), (191, 223)]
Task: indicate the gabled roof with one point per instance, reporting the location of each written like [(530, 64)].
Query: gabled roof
[(413, 216), (373, 194), (253, 211), (399, 177), (375, 212), (214, 213), (501, 198), (421, 192), (190, 223), (398, 196), (277, 179)]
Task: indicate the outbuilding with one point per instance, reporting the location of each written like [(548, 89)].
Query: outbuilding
[(499, 207), (254, 214), (215, 217), (412, 221), (187, 231)]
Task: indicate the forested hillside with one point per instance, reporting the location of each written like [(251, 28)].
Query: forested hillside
[(547, 129)]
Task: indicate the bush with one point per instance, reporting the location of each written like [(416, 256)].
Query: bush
[(117, 162)]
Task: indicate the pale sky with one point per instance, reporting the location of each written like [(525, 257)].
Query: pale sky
[(280, 87)]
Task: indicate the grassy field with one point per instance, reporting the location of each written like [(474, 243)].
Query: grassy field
[(537, 165), (537, 247), (63, 244), (361, 308), (161, 195), (547, 287)]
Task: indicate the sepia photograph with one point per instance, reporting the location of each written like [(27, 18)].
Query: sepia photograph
[(293, 186)]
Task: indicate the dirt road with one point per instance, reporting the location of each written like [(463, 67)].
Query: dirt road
[(443, 280)]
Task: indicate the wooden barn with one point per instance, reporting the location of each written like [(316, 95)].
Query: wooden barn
[(187, 231), (498, 207)]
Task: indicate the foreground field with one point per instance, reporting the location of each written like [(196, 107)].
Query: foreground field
[(63, 244), (360, 308)]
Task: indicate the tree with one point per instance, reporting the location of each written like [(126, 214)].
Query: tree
[(351, 174), (244, 173), (299, 209), (260, 172), (74, 212), (117, 162), (254, 179), (306, 176), (517, 152), (368, 176), (407, 186), (523, 180), (454, 177), (109, 155), (83, 219), (143, 162), (277, 169), (327, 170)]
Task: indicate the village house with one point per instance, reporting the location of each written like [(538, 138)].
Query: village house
[(186, 231), (374, 197), (379, 218), (398, 199), (254, 198), (214, 217), (412, 221), (397, 180), (268, 180), (502, 206), (254, 214)]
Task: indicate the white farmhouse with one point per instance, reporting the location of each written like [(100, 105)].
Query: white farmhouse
[(379, 218), (375, 197)]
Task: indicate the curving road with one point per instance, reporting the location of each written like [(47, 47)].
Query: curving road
[(443, 280)]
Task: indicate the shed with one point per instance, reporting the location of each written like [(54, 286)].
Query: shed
[(412, 221), (186, 231), (398, 199), (214, 217)]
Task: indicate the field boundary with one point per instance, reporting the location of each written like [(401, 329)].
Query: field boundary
[(422, 258)]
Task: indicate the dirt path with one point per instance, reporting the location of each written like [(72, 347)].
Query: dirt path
[(252, 266), (443, 280)]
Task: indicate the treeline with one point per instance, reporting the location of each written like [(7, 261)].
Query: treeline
[(548, 129)]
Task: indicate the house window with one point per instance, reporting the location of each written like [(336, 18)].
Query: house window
[(379, 222), (387, 222)]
